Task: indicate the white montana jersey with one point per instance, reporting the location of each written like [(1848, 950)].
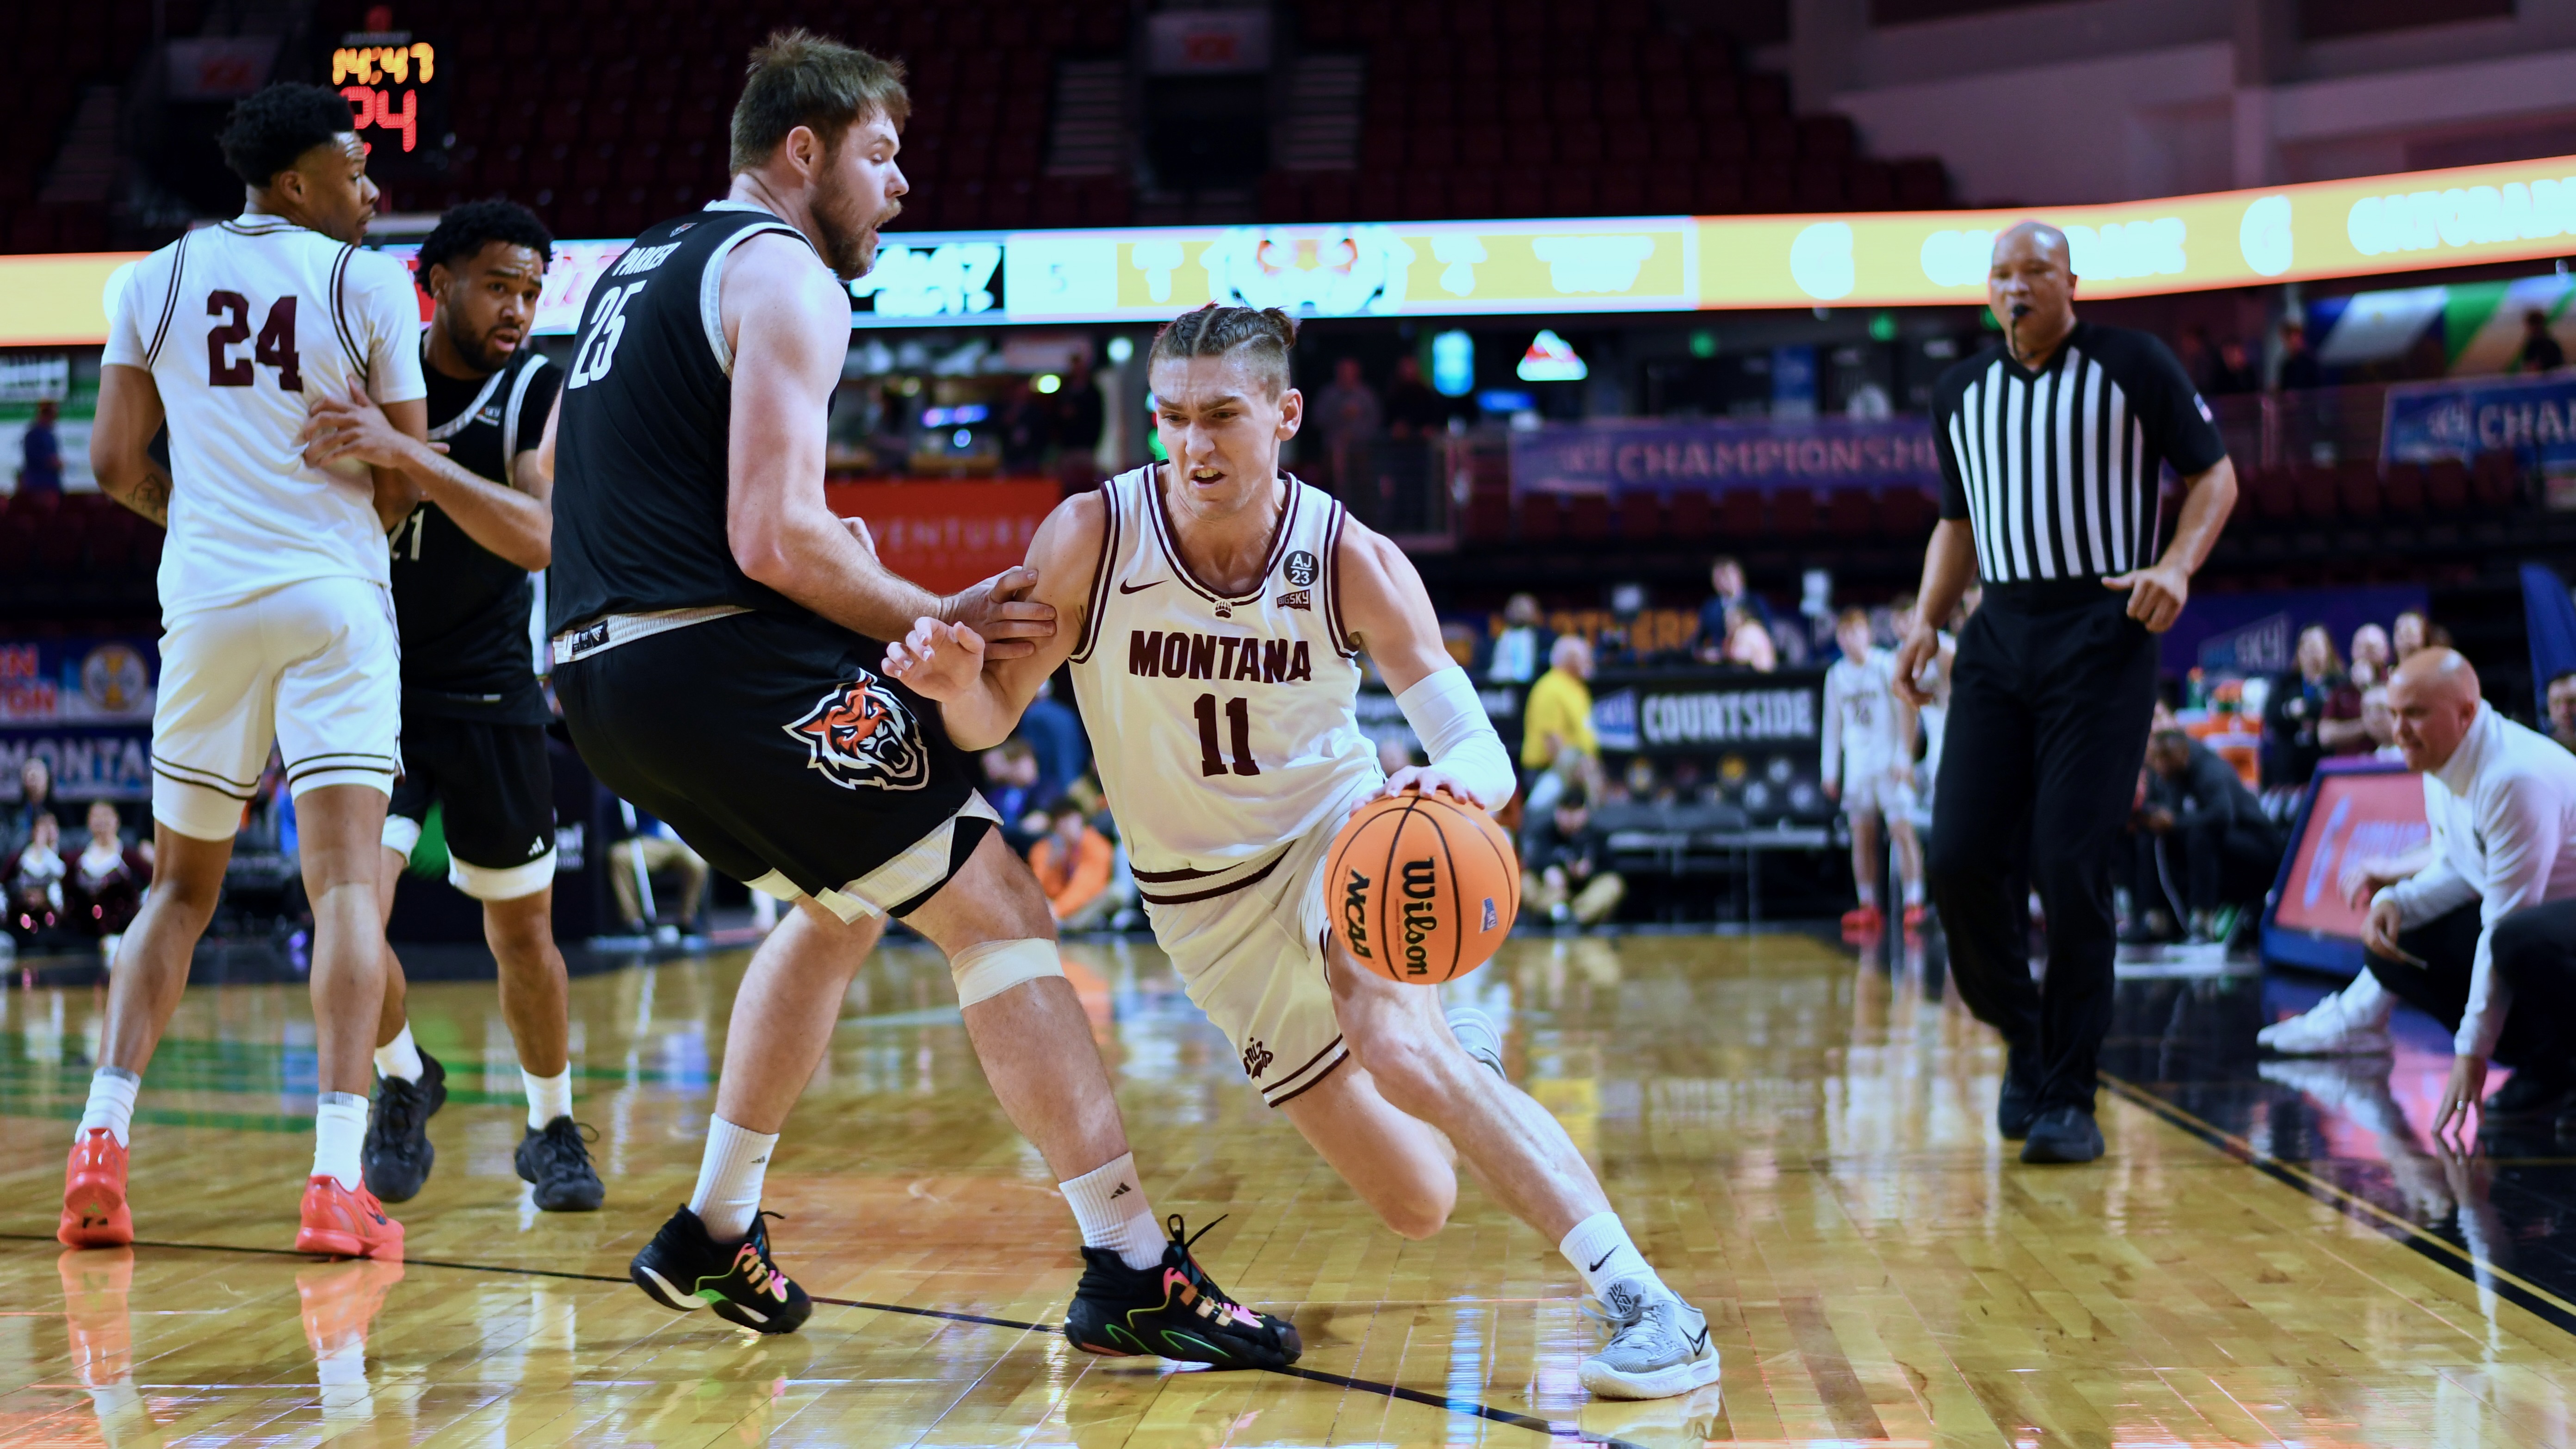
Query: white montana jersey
[(243, 327), (1861, 732), (1225, 727)]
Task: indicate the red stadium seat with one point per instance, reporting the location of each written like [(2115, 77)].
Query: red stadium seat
[(2358, 489), (2403, 489), (1489, 515), (2495, 479), (1641, 517), (2274, 496), (2446, 486), (2315, 489), (1907, 514), (1793, 512), (1739, 514), (1852, 512), (59, 546), (1688, 517), (1541, 518)]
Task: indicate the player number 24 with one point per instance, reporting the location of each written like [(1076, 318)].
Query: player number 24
[(275, 347), (1238, 719)]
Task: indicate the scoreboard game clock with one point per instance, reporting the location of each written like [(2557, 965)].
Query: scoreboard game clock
[(397, 86)]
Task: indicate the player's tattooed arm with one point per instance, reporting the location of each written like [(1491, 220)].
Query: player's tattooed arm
[(120, 442), (981, 698)]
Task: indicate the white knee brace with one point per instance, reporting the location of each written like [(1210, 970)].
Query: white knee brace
[(986, 971)]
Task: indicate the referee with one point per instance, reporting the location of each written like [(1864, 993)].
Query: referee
[(2051, 447)]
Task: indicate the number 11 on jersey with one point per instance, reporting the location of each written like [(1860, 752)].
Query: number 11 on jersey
[(1238, 718)]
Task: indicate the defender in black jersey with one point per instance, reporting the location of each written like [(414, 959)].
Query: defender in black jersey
[(474, 712), (718, 634)]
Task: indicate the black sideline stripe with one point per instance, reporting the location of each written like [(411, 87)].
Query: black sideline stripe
[(2531, 1298), (1466, 1407)]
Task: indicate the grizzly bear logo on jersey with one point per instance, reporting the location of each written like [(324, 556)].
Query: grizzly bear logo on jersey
[(858, 734)]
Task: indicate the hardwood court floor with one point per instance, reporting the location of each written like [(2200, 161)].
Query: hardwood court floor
[(1801, 1141)]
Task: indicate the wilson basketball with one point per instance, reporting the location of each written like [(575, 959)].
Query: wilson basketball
[(1421, 889)]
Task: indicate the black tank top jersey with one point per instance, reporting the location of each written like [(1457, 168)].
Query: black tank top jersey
[(640, 448), (462, 608)]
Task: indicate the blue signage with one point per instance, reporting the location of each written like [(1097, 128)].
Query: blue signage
[(2532, 417), (1615, 457)]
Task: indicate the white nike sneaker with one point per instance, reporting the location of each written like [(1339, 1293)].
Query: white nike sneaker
[(1480, 1038), (2327, 1030), (1659, 1345)]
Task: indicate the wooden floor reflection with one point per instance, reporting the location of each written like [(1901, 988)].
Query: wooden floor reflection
[(1800, 1141)]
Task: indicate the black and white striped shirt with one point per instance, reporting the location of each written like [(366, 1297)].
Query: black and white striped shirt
[(2056, 470)]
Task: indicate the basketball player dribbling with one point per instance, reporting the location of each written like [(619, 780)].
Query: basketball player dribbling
[(715, 627), (474, 713), (279, 623), (1214, 610)]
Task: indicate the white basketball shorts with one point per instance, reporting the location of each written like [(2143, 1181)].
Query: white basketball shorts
[(315, 667), (1879, 791)]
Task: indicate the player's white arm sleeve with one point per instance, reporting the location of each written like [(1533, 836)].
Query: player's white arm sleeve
[(1444, 711)]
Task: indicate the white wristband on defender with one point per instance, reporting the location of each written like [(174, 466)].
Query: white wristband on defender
[(1444, 711)]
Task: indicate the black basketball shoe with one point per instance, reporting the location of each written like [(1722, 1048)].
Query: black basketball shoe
[(396, 1157), (1173, 1310), (555, 1158), (684, 1269), (2017, 1105)]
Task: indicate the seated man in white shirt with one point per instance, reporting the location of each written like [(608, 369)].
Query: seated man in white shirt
[(2502, 803)]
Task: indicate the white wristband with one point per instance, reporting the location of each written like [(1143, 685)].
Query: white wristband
[(1444, 711)]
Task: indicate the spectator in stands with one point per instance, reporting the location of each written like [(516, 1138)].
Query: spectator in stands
[(1565, 872), (34, 878), (655, 846), (2300, 704), (2381, 723), (1079, 417), (2203, 831), (1055, 736), (1072, 863), (1748, 644), (2369, 656), (1347, 417), (40, 454), (2409, 633), (1027, 425), (2232, 372), (104, 886), (1558, 750), (2562, 709), (2540, 351), (1521, 645), (2299, 369), (1011, 788), (35, 797), (1413, 410), (1727, 590)]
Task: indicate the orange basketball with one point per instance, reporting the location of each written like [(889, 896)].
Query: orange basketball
[(1421, 889)]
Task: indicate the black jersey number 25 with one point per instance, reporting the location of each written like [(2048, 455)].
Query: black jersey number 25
[(601, 351)]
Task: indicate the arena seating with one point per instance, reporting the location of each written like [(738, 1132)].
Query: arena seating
[(1637, 120), (47, 54)]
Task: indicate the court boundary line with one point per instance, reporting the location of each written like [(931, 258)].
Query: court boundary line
[(1554, 1429), (2521, 1292)]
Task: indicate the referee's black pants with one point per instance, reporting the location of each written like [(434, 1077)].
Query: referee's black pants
[(2050, 698)]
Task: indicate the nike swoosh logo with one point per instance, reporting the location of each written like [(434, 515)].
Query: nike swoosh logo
[(1597, 1262), (1137, 588)]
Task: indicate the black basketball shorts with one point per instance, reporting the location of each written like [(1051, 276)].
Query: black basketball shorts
[(497, 802), (779, 751)]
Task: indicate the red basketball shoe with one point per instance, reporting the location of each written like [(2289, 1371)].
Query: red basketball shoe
[(95, 1288), (343, 1223), (1915, 916), (1863, 921), (94, 1210)]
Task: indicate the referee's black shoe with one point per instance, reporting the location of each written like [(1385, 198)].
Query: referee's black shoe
[(683, 1270), (2063, 1134), (396, 1157), (2017, 1105), (556, 1160), (1172, 1310)]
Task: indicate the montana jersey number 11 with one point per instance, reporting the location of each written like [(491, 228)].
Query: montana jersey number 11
[(1238, 718)]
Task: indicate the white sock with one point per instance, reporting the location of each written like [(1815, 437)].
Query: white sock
[(727, 1199), (1109, 1206), (111, 1104), (1600, 1251), (399, 1058), (339, 1127), (1914, 893), (1868, 897), (548, 1097)]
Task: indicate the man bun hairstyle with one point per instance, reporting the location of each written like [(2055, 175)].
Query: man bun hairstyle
[(799, 78), (466, 230), (1267, 337), (269, 130)]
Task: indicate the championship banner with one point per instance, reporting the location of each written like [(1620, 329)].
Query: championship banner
[(83, 681), (944, 536), (1617, 457), (2532, 417)]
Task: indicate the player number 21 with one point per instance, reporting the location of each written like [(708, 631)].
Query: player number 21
[(1238, 719)]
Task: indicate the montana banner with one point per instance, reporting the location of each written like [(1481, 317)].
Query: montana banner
[(1650, 457)]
